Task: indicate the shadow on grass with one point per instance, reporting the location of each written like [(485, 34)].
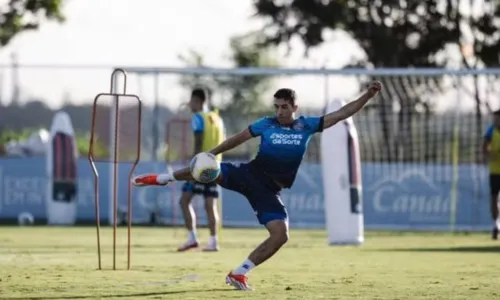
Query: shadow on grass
[(134, 295), (458, 249)]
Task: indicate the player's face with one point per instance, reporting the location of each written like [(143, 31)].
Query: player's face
[(284, 110), (195, 104)]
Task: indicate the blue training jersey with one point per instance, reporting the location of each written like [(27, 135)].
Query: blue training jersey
[(282, 147)]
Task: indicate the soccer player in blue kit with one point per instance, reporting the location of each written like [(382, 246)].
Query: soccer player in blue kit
[(284, 140)]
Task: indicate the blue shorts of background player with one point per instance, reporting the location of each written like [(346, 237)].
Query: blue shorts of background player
[(262, 192), (209, 190)]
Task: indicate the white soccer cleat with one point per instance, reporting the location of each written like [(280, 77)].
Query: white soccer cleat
[(210, 247)]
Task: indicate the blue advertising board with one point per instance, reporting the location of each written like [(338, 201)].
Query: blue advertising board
[(399, 196)]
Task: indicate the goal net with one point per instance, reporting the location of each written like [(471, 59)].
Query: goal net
[(419, 139)]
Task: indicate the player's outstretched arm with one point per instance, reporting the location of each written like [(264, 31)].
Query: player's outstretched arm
[(232, 142), (351, 108), (184, 173), (228, 144)]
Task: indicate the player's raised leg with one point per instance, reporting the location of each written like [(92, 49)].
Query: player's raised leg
[(152, 179)]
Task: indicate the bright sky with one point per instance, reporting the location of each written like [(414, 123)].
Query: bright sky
[(145, 33), (154, 33)]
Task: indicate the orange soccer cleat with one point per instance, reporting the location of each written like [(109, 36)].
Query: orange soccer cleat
[(146, 179), (239, 282)]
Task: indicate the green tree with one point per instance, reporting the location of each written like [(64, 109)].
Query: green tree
[(194, 59), (21, 15), (240, 98), (82, 141), (245, 93), (236, 94), (393, 34)]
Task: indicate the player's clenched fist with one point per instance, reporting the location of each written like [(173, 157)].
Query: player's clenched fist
[(374, 88)]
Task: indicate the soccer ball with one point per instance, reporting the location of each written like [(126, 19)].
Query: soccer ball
[(204, 167)]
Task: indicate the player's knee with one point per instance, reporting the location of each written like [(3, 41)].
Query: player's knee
[(278, 230), (282, 238)]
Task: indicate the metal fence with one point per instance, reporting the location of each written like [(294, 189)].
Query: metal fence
[(422, 115)]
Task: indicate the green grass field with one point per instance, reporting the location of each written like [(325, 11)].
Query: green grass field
[(61, 263)]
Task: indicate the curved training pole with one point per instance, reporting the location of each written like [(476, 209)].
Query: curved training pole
[(113, 88)]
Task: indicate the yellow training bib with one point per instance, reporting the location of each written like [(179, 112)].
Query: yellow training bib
[(213, 133)]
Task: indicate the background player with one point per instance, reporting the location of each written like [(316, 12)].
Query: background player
[(491, 151), (208, 129), (284, 140)]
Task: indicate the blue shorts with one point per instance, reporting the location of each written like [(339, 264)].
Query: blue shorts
[(207, 190), (261, 191)]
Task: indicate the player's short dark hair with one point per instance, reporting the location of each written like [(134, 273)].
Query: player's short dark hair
[(286, 94), (496, 113), (199, 93)]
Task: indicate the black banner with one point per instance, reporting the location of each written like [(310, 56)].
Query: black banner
[(354, 177)]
